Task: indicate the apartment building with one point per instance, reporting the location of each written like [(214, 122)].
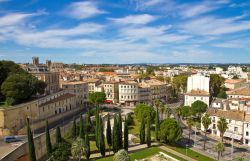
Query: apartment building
[(197, 89), (93, 85), (128, 93), (239, 93), (79, 88), (112, 92)]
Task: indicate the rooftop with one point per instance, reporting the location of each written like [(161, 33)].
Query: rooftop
[(57, 99), (234, 81), (241, 91), (230, 114), (197, 93)]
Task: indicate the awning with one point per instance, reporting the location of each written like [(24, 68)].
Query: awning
[(108, 101), (227, 134), (232, 135)]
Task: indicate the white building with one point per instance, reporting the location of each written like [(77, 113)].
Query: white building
[(128, 93), (197, 89)]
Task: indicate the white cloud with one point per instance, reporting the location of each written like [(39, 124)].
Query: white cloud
[(134, 19), (194, 10), (215, 26), (83, 10), (13, 18)]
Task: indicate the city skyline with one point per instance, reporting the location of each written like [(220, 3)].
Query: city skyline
[(125, 31)]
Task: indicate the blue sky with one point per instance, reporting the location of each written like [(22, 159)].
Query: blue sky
[(126, 31)]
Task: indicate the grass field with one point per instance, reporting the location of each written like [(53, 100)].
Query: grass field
[(144, 154), (190, 153)]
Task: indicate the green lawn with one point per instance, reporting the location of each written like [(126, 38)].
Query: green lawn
[(190, 153), (144, 154)]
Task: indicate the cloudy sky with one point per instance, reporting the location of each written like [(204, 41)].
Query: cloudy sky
[(126, 31)]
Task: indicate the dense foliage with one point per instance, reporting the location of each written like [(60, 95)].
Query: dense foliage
[(16, 84), (143, 110), (216, 84), (198, 107), (97, 97), (170, 131), (61, 152)]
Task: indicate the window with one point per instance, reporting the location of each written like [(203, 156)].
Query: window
[(235, 128), (247, 133), (246, 141), (195, 98)]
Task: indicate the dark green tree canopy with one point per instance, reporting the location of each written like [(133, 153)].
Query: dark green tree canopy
[(170, 131), (216, 84), (198, 107), (143, 110), (97, 97)]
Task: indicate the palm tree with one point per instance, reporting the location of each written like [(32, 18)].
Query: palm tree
[(222, 126), (178, 112), (121, 155), (190, 123), (167, 111), (219, 147), (78, 148), (206, 121)]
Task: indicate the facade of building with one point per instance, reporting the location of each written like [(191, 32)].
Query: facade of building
[(233, 84), (79, 88), (128, 93), (197, 89), (112, 92), (93, 84), (53, 107)]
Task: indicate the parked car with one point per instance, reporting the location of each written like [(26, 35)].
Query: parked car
[(9, 139)]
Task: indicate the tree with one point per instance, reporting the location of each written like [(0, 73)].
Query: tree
[(190, 124), (88, 122), (32, 153), (115, 138), (148, 132), (185, 111), (143, 110), (101, 138), (222, 94), (48, 141), (87, 146), (198, 107), (216, 83), (170, 131), (239, 158), (222, 125), (178, 112), (61, 152), (97, 126), (73, 130), (81, 127), (78, 148), (108, 133), (157, 124), (97, 98), (120, 131), (125, 135), (180, 83), (219, 147), (142, 131), (121, 155), (58, 135), (206, 121)]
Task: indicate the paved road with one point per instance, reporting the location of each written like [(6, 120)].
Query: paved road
[(198, 142)]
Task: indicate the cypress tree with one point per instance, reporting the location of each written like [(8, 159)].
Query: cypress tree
[(88, 122), (142, 131), (73, 130), (58, 135), (97, 127), (114, 134), (101, 138), (87, 149), (120, 143), (125, 135), (157, 124), (32, 153), (108, 133), (148, 132), (48, 141), (81, 128)]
